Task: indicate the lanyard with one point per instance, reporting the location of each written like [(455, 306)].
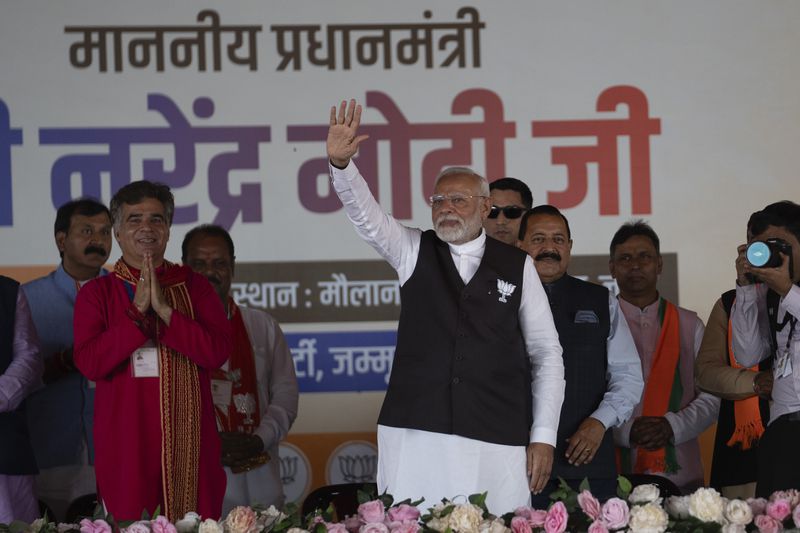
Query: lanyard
[(792, 321)]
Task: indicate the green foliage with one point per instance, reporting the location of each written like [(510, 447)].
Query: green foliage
[(479, 500), (566, 494), (293, 518), (99, 513), (624, 487), (17, 527)]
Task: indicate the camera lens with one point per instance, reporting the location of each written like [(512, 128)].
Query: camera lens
[(760, 254)]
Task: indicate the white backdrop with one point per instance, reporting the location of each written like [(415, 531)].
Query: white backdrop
[(720, 79)]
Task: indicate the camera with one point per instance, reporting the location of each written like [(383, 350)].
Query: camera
[(767, 254)]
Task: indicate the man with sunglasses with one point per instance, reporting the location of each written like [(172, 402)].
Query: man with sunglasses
[(477, 379), (510, 199)]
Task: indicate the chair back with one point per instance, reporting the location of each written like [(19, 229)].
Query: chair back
[(344, 498)]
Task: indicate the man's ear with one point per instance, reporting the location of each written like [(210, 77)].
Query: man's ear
[(61, 237)]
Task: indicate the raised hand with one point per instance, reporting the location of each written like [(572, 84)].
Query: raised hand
[(342, 139)]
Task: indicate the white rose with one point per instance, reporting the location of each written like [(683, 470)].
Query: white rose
[(296, 530), (274, 512), (437, 524), (493, 526), (677, 507), (738, 512), (645, 494), (188, 523), (209, 526), (650, 518), (706, 505), (465, 518), (733, 528)]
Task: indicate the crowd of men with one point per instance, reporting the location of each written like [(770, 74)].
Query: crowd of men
[(147, 386), (144, 387)]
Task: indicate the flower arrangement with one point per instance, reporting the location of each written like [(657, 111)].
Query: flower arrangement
[(637, 510)]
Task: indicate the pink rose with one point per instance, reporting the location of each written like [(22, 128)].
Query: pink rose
[(98, 526), (403, 513), (796, 516), (374, 527), (371, 512), (535, 517), (338, 527), (758, 505), (791, 495), (597, 527), (556, 519), (524, 511), (767, 524), (162, 525), (352, 523), (615, 513), (589, 504), (137, 527), (240, 520), (406, 527), (520, 524), (779, 509)]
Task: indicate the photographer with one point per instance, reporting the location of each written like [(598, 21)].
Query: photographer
[(764, 320)]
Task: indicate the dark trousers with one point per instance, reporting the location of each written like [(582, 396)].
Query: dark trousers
[(602, 489), (778, 460)]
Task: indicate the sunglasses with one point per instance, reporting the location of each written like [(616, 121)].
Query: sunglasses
[(510, 211)]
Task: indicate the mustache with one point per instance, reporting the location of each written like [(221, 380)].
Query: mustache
[(448, 218), (99, 250), (214, 280), (548, 255)]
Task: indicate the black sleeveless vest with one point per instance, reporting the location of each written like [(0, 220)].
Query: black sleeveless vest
[(460, 366), (16, 453), (585, 362)]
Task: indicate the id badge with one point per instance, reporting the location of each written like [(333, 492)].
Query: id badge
[(144, 361), (783, 363), (221, 392)]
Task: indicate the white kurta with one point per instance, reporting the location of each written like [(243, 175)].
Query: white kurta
[(414, 463), (277, 397)]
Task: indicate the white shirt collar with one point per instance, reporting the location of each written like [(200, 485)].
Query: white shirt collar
[(470, 247)]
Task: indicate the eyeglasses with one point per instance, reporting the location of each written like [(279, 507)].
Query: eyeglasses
[(456, 199), (510, 211)]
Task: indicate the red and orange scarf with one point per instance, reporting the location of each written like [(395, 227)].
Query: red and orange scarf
[(179, 398), (746, 413), (663, 390), (242, 367)]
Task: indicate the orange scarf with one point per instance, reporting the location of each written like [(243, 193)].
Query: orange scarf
[(179, 397), (663, 390), (242, 372), (746, 412)]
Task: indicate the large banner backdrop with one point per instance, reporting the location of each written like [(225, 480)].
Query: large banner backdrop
[(685, 114)]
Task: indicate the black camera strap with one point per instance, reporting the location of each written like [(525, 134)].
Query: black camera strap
[(773, 301)]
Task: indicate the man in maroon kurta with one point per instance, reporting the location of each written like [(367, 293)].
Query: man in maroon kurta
[(148, 334)]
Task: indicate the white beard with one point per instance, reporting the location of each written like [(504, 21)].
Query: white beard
[(461, 233)]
